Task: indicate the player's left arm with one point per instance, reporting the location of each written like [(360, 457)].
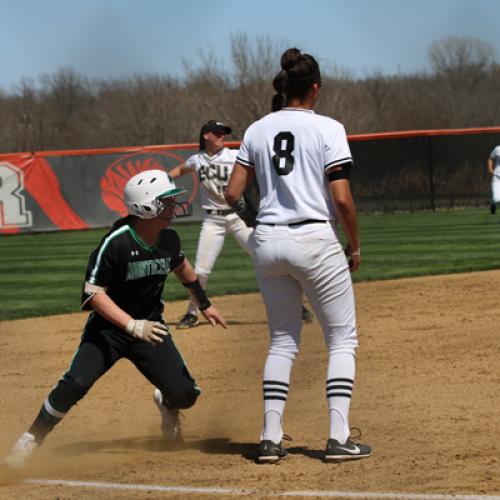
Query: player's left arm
[(338, 164), (346, 212), (186, 275)]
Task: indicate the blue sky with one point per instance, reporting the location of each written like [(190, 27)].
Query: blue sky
[(115, 38)]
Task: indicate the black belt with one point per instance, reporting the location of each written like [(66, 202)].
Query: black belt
[(307, 221), (220, 212)]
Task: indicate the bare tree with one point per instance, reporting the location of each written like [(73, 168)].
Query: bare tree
[(65, 110), (461, 60)]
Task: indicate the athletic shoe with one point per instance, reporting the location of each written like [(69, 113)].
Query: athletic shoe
[(21, 451), (170, 421), (270, 452), (307, 316), (347, 451), (493, 208), (189, 320)]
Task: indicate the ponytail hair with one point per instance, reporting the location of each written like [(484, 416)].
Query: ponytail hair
[(122, 222), (298, 73)]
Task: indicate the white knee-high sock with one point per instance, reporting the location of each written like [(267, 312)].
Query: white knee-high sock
[(277, 372), (339, 384), (192, 309)]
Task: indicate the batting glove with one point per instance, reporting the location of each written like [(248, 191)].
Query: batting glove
[(153, 332)]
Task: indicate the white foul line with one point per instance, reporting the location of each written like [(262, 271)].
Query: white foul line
[(241, 491)]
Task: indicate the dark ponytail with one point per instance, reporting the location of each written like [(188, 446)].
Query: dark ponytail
[(279, 85), (122, 222), (201, 142), (298, 72)]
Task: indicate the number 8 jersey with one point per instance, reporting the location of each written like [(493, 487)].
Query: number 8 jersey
[(291, 151)]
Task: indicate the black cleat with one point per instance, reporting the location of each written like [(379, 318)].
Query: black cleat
[(188, 321), (347, 451), (493, 208), (270, 452)]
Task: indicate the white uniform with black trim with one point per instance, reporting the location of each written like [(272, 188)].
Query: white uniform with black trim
[(219, 219), (495, 179), (291, 151)]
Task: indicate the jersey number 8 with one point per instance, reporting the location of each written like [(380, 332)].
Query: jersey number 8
[(283, 159)]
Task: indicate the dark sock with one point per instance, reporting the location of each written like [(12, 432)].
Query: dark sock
[(43, 424)]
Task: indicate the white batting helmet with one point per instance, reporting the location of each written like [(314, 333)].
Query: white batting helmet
[(144, 191)]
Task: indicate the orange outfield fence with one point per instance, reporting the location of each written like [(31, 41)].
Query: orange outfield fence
[(407, 170)]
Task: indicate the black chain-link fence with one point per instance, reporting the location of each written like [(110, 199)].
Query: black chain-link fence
[(422, 169)]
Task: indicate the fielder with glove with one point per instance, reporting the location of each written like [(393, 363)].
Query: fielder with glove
[(123, 287), (213, 165)]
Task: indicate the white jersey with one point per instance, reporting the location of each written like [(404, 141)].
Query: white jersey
[(495, 156), (291, 150), (213, 173)]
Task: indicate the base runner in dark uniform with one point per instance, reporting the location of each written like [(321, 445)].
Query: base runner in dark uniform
[(123, 287)]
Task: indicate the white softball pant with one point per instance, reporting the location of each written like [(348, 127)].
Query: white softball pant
[(214, 230), (495, 188), (306, 257)]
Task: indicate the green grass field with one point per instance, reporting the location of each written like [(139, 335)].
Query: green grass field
[(42, 274)]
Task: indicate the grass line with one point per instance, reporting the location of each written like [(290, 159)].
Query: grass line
[(42, 274)]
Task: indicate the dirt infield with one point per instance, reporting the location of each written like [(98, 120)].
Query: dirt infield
[(426, 399)]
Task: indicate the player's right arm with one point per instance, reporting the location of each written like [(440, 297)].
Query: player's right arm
[(491, 166), (149, 331), (242, 174), (184, 168), (104, 305), (104, 263), (179, 171)]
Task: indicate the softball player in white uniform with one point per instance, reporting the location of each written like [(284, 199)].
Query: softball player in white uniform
[(494, 170), (301, 161), (213, 166)]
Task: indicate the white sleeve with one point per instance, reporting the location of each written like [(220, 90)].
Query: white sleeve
[(337, 149), (192, 162), (495, 152), (244, 155)]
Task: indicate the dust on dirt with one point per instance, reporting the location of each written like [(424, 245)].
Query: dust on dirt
[(425, 398)]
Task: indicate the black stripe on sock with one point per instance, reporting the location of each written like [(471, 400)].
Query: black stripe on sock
[(340, 380), (281, 398), (334, 386), (338, 395), (282, 391), (274, 382)]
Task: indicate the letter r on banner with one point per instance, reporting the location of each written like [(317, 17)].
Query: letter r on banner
[(12, 202)]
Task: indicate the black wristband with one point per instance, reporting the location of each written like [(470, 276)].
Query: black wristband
[(198, 294)]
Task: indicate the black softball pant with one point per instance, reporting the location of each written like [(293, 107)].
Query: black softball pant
[(101, 348)]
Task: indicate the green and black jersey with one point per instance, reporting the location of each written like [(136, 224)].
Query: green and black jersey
[(133, 272)]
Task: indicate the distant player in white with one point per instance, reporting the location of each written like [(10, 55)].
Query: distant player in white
[(302, 161), (213, 166), (494, 170)]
